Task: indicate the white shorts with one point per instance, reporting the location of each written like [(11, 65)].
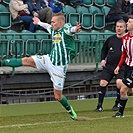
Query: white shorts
[(57, 73)]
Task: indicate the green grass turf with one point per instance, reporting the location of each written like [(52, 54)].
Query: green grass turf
[(51, 117)]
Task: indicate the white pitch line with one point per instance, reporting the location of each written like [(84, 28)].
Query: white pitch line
[(55, 122), (33, 124)]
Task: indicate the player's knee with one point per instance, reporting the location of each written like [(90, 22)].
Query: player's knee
[(119, 83), (103, 83), (123, 92), (58, 98), (58, 95), (28, 61)]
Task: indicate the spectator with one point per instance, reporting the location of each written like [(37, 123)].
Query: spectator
[(73, 3), (55, 5), (111, 53), (76, 3), (43, 13), (15, 7), (120, 10), (131, 3), (66, 2), (127, 57)]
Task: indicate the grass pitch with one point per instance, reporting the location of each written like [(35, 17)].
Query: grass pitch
[(51, 117)]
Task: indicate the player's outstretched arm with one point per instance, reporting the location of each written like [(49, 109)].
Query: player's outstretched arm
[(42, 24)]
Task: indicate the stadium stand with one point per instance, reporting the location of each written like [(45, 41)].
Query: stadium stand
[(80, 13)]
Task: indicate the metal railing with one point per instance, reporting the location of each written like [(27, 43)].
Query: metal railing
[(26, 44)]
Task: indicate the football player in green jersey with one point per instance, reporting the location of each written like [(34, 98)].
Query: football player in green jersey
[(56, 62)]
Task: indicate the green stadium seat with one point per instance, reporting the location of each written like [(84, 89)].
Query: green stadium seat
[(42, 37), (97, 41), (99, 3), (68, 10), (87, 20), (81, 10), (12, 36), (94, 9), (110, 2), (31, 44), (88, 2), (83, 36), (99, 21), (83, 47), (73, 18), (95, 36), (16, 43), (45, 47), (86, 17), (105, 10), (4, 46), (108, 33), (99, 17), (5, 18)]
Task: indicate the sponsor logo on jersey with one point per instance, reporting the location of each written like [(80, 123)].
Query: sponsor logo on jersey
[(57, 38)]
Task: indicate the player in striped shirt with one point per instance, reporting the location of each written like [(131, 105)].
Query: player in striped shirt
[(57, 60), (127, 57)]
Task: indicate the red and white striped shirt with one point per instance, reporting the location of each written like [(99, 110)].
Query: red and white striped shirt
[(127, 50)]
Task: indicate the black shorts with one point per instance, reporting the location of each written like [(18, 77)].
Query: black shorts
[(108, 72), (128, 77)]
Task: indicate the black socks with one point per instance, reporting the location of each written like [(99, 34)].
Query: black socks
[(101, 94)]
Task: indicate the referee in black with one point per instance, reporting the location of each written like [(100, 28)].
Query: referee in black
[(110, 56)]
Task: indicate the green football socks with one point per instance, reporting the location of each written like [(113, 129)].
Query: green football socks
[(69, 108), (65, 103), (13, 62)]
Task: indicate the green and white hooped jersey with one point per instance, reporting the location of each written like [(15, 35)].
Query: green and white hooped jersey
[(63, 45)]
